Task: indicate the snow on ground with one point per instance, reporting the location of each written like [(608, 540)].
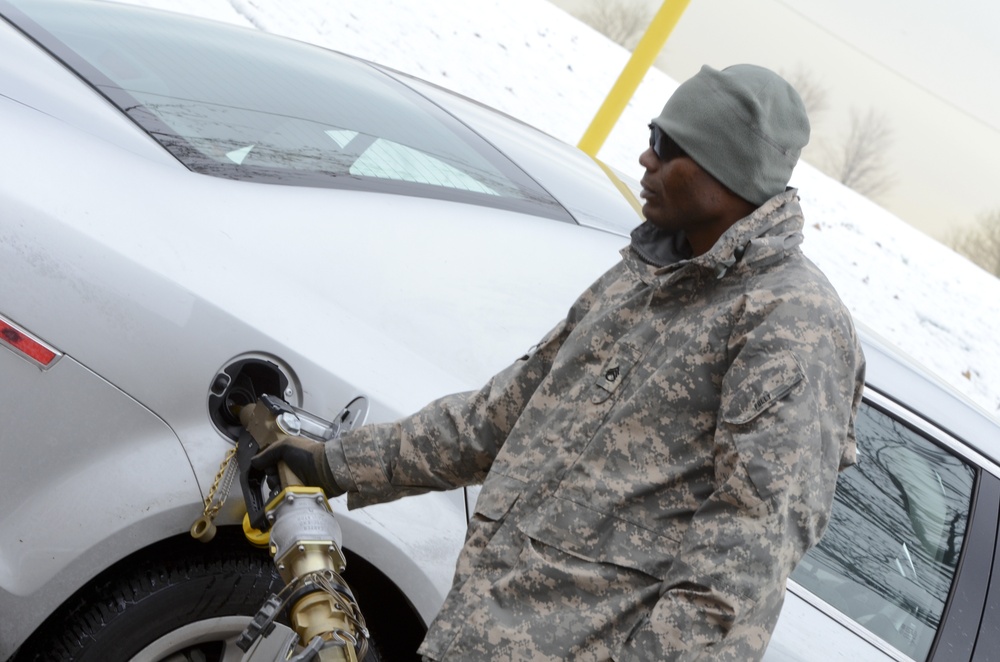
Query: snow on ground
[(532, 60)]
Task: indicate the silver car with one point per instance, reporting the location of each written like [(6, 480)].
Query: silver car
[(192, 215)]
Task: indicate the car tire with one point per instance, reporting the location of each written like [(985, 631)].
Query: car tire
[(189, 604)]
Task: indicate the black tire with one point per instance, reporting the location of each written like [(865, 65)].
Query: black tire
[(169, 601)]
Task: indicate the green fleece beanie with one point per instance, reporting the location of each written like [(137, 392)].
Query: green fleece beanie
[(745, 125)]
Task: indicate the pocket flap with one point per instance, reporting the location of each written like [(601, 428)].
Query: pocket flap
[(497, 496), (752, 387), (579, 530)]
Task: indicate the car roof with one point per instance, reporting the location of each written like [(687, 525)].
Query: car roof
[(904, 380), (596, 195)]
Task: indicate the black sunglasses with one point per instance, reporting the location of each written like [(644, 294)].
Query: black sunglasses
[(663, 146)]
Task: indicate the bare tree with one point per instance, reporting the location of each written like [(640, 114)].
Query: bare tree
[(814, 95), (860, 162), (980, 242), (622, 21)]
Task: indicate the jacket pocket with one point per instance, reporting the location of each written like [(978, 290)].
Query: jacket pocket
[(489, 518), (767, 448), (578, 529), (497, 496), (753, 388)]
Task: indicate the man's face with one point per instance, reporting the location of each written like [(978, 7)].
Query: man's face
[(679, 195)]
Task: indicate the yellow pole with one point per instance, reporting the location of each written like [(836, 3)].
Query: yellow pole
[(642, 59)]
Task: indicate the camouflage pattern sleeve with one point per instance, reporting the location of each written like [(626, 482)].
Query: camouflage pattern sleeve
[(452, 441), (779, 446)]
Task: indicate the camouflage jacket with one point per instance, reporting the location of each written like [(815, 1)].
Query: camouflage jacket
[(653, 470)]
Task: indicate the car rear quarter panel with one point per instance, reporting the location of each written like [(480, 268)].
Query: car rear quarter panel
[(87, 476)]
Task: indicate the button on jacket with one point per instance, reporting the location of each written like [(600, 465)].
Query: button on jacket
[(654, 469)]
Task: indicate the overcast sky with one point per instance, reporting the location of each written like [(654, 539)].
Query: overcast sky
[(929, 66), (950, 49)]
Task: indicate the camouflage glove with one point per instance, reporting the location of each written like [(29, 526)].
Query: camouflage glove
[(305, 458)]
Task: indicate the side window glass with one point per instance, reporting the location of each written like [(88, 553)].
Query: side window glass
[(899, 518)]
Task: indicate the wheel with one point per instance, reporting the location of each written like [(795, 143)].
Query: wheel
[(209, 639), (184, 601), (187, 602)]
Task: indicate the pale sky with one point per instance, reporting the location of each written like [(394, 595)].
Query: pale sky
[(929, 66), (950, 49)]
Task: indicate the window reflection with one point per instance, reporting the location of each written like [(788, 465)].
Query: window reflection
[(242, 105), (899, 520)]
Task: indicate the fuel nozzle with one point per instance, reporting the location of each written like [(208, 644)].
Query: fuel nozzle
[(302, 535)]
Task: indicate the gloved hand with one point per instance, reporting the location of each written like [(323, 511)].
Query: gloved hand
[(306, 459)]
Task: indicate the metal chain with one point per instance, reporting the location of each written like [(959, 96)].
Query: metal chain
[(224, 479), (328, 580)]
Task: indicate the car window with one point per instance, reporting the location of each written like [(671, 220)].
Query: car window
[(241, 104), (889, 556)]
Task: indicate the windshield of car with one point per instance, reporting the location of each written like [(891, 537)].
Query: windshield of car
[(240, 104)]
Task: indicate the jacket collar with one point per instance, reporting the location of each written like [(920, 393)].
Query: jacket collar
[(766, 235)]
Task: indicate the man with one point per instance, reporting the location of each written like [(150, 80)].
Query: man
[(654, 469)]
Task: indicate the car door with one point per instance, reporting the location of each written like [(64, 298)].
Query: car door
[(902, 571)]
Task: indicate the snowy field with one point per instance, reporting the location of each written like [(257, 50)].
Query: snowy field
[(532, 60)]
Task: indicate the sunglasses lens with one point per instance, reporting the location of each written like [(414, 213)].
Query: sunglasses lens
[(656, 140), (664, 148)]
